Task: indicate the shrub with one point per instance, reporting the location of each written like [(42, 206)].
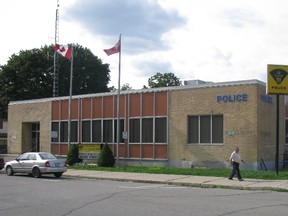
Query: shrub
[(106, 158), (72, 156)]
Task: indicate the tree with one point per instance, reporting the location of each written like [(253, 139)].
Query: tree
[(126, 87), (163, 80), (72, 156), (29, 75), (90, 75), (106, 158)]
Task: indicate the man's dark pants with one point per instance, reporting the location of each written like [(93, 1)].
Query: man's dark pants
[(235, 171)]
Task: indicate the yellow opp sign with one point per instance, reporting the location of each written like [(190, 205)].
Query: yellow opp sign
[(277, 79), (85, 148)]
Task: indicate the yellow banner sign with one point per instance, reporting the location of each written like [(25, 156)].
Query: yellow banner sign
[(277, 79), (87, 148)]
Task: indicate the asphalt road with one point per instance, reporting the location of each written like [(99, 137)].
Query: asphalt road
[(27, 196)]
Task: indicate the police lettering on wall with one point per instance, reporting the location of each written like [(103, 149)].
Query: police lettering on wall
[(232, 98)]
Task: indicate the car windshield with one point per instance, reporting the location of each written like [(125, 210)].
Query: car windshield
[(46, 156)]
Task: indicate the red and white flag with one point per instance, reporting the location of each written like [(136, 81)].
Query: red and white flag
[(64, 50), (113, 50)]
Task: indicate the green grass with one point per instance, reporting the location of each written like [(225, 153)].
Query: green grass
[(265, 175)]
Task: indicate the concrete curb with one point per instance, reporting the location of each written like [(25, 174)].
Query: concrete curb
[(182, 180)]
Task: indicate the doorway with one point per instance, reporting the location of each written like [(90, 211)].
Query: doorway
[(35, 137)]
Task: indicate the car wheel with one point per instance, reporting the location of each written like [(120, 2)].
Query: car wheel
[(9, 171), (58, 175), (36, 172)]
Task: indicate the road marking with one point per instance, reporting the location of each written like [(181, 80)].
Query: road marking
[(149, 187), (52, 180), (139, 187)]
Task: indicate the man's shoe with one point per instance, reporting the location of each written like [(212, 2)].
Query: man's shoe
[(230, 178), (241, 179)]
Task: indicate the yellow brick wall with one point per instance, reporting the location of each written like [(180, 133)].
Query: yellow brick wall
[(20, 115), (239, 117), (251, 125), (266, 146)]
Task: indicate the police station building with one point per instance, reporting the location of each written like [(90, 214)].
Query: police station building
[(195, 125)]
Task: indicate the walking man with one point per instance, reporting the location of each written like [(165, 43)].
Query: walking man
[(235, 160)]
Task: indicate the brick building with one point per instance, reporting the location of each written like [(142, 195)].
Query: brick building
[(193, 125)]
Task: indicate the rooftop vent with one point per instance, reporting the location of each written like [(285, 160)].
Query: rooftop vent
[(194, 82)]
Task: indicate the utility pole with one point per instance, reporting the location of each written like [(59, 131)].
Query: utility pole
[(56, 69)]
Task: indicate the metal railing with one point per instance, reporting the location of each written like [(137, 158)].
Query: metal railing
[(32, 149), (3, 150), (263, 163)]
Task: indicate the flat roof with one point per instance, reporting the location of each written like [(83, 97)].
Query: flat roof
[(171, 88)]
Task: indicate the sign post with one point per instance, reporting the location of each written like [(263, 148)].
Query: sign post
[(277, 84)]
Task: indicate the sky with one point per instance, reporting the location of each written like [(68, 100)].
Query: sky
[(209, 40)]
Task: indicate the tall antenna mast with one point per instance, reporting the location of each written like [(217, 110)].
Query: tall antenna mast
[(56, 69)]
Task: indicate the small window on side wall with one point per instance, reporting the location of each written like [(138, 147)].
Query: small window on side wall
[(205, 129)]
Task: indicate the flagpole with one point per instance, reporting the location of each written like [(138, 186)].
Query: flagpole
[(70, 99), (118, 104)]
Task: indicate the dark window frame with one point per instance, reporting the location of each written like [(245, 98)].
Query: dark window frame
[(97, 131), (86, 131), (205, 129), (134, 130)]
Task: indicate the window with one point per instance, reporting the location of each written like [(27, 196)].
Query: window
[(63, 131), (153, 130), (107, 131), (24, 157), (74, 131), (160, 130), (217, 129), (121, 123), (147, 130), (134, 129), (96, 131), (1, 124), (31, 157), (55, 128), (46, 156), (205, 129), (193, 129), (86, 131)]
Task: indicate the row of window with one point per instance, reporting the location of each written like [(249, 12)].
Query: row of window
[(201, 129), (205, 129), (145, 130)]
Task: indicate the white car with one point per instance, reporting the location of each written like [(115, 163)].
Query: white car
[(36, 164)]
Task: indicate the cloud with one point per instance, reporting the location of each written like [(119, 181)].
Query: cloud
[(211, 40), (241, 18), (150, 68), (224, 58), (142, 23)]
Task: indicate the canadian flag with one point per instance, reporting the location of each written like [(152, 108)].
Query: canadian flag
[(64, 50), (113, 50)]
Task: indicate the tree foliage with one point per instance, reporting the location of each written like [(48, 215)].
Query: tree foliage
[(126, 87), (29, 75), (72, 156), (163, 80), (106, 158)]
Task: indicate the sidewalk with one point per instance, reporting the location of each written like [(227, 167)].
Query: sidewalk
[(183, 180)]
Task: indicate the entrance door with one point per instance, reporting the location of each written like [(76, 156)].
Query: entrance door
[(35, 137)]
